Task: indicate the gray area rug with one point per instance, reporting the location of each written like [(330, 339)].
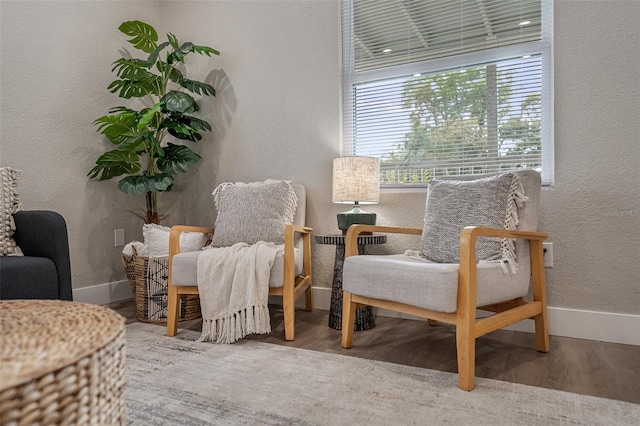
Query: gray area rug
[(178, 381)]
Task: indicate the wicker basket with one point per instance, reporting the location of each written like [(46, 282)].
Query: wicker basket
[(148, 279)]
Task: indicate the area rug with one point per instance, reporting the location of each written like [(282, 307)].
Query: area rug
[(178, 381)]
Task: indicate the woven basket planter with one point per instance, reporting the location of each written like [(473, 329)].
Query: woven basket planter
[(148, 279)]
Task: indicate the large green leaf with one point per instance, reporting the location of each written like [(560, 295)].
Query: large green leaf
[(175, 56), (133, 143), (181, 102), (178, 128), (173, 40), (115, 163), (197, 123), (177, 159), (149, 116), (184, 133), (144, 35), (186, 47), (132, 69), (179, 53), (137, 185), (117, 128), (154, 55), (132, 89), (185, 127), (205, 50), (197, 87), (175, 74), (120, 109)]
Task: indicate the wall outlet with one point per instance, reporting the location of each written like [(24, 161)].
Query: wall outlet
[(119, 237), (547, 250)]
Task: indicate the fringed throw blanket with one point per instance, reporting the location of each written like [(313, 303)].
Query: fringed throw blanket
[(233, 283)]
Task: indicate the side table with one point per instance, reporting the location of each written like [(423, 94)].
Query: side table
[(364, 315)]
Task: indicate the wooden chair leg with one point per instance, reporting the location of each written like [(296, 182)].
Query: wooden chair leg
[(308, 299), (348, 319), (542, 332), (289, 308), (539, 295), (172, 310), (466, 348)]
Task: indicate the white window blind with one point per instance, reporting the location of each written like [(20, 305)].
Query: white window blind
[(448, 87)]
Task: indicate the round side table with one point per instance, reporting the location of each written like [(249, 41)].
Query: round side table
[(364, 315), (61, 363)]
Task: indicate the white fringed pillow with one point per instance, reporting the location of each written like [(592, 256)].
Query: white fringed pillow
[(488, 202), (156, 240), (9, 204), (252, 212)]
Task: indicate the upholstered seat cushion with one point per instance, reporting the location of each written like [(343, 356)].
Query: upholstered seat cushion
[(185, 268), (29, 277), (434, 286)]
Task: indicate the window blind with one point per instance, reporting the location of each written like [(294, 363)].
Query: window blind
[(448, 87)]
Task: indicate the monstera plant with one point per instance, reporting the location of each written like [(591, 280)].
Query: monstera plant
[(141, 150)]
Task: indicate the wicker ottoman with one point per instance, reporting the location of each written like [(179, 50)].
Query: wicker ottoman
[(60, 363)]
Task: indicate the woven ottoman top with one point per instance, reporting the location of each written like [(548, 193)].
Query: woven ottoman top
[(40, 336)]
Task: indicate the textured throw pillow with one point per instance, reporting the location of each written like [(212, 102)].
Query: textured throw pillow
[(252, 212), (156, 240), (9, 204), (488, 202)]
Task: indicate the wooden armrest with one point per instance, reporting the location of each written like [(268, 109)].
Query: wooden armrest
[(299, 229), (174, 236), (470, 234), (476, 231), (289, 255), (290, 231), (351, 240)]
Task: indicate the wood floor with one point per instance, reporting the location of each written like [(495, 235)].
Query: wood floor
[(587, 367)]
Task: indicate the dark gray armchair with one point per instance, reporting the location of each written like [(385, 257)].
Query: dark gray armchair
[(44, 272)]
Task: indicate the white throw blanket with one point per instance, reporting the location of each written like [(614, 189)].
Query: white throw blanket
[(233, 283)]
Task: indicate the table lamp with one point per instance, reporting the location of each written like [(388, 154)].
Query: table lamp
[(356, 180)]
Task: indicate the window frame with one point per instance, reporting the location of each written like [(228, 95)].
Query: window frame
[(543, 47)]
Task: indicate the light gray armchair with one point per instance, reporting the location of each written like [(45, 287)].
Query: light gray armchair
[(452, 292), (290, 276)]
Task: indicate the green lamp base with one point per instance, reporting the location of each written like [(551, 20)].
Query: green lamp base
[(346, 219)]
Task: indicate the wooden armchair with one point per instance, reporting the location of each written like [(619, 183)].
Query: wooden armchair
[(452, 293), (290, 274)]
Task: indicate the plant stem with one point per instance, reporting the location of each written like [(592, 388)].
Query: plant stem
[(152, 208)]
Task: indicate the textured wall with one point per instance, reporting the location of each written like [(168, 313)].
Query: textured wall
[(593, 211), (55, 66), (277, 115)]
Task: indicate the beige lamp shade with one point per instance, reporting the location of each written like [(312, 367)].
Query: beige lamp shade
[(356, 180)]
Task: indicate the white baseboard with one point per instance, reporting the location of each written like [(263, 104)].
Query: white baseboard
[(103, 294), (579, 324), (590, 325)]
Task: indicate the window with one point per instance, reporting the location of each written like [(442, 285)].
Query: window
[(448, 87)]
